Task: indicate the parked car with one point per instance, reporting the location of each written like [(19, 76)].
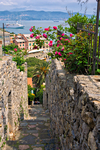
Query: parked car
[(36, 102)]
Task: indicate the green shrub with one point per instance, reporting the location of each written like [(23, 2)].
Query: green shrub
[(39, 95), (74, 20)]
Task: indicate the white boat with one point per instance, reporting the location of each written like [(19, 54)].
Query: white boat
[(14, 25), (56, 21)]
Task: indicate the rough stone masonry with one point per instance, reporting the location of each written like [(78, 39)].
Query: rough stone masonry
[(74, 105), (13, 97)]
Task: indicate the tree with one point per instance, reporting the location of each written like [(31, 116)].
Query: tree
[(31, 63), (39, 74), (31, 95), (74, 20)]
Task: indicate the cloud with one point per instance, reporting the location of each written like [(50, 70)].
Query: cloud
[(48, 5), (8, 2)]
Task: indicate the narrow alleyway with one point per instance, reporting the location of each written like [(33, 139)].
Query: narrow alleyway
[(34, 133)]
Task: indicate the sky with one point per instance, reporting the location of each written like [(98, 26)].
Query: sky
[(48, 5)]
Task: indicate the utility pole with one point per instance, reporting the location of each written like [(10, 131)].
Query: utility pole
[(3, 37)]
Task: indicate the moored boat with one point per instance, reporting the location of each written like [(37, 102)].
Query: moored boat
[(14, 26)]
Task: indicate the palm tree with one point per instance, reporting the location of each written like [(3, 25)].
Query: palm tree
[(40, 72)]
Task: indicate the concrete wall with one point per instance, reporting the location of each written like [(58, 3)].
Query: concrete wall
[(74, 105), (13, 97)]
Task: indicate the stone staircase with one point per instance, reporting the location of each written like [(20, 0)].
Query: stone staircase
[(34, 132)]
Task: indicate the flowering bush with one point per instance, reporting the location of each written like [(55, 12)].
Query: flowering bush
[(73, 52), (18, 56)]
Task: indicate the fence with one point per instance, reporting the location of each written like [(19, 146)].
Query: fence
[(94, 44)]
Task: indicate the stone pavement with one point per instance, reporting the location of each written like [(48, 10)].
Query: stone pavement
[(34, 133)]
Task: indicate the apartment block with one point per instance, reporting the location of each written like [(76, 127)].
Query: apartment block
[(6, 37), (31, 41), (21, 41)]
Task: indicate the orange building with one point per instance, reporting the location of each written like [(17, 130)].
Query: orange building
[(12, 37), (29, 82)]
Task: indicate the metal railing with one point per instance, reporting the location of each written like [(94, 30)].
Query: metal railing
[(94, 41)]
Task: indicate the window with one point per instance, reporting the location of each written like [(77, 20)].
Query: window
[(33, 43), (23, 44), (46, 42), (20, 45), (29, 44), (47, 49)]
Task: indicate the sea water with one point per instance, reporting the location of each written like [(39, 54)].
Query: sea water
[(28, 24)]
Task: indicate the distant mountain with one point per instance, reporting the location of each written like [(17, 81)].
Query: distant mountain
[(33, 15)]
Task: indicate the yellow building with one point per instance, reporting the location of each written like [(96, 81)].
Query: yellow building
[(31, 42)]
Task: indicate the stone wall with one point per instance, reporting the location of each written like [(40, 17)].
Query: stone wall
[(74, 105), (13, 97)]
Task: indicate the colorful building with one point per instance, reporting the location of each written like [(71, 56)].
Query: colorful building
[(31, 41), (21, 41), (6, 37), (12, 37)]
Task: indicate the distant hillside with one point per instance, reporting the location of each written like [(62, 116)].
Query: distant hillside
[(33, 15)]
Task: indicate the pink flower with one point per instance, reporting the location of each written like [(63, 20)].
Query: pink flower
[(56, 53), (63, 34), (15, 49), (58, 41), (44, 35), (35, 47), (59, 53), (71, 35), (47, 29), (51, 43), (58, 45), (88, 33), (54, 27), (61, 38), (37, 37), (30, 29), (69, 53), (32, 35), (66, 39), (65, 59), (62, 49)]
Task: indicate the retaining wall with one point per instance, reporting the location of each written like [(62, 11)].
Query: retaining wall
[(13, 97), (74, 105)]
